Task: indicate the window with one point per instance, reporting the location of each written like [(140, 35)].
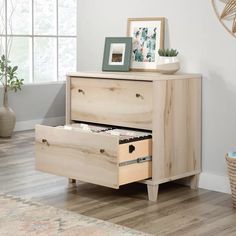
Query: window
[(40, 36)]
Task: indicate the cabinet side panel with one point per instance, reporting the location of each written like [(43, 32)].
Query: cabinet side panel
[(68, 100), (176, 128)]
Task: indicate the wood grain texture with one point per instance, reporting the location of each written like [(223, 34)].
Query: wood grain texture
[(183, 176), (135, 172), (152, 192), (68, 99), (90, 157), (143, 148), (176, 129), (77, 155), (121, 103), (136, 76), (194, 180), (179, 210), (173, 101)]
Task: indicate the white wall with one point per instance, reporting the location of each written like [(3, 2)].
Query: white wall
[(37, 103), (205, 47)]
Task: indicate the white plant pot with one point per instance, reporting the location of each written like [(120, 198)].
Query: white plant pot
[(168, 65)]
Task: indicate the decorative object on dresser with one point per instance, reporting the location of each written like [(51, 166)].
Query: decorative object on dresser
[(226, 13), (148, 38), (9, 81), (168, 62), (148, 128), (117, 54)]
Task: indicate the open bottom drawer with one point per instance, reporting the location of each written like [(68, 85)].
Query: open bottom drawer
[(101, 157)]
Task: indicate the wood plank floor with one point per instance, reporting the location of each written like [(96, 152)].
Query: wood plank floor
[(179, 210)]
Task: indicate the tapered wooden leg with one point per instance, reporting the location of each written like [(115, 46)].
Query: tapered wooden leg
[(152, 192), (194, 182), (72, 181)]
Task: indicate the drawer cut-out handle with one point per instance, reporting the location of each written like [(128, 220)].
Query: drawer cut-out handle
[(131, 148), (102, 151), (138, 95), (45, 141), (81, 91)]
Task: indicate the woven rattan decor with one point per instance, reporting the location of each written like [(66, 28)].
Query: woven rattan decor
[(226, 13)]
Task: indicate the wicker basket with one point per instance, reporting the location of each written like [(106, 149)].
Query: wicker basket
[(232, 176)]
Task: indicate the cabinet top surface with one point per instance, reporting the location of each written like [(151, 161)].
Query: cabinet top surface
[(144, 76)]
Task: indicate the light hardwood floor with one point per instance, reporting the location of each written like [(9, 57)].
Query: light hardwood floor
[(179, 210)]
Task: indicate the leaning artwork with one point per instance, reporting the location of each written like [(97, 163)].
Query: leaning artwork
[(147, 38)]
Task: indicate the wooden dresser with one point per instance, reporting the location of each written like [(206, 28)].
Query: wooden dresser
[(160, 115)]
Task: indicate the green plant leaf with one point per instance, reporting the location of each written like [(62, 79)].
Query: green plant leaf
[(8, 75), (168, 52)]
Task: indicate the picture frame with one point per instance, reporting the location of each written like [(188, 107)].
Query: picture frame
[(117, 54), (147, 38)]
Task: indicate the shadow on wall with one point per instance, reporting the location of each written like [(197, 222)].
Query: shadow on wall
[(219, 121), (38, 102), (167, 35), (56, 109)]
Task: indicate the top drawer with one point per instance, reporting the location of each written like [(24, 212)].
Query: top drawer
[(114, 102)]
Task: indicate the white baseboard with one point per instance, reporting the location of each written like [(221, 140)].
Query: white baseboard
[(30, 124), (214, 182)]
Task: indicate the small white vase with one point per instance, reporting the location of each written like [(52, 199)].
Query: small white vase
[(167, 65)]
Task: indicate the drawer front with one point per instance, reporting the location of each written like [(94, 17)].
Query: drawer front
[(114, 102), (91, 157)]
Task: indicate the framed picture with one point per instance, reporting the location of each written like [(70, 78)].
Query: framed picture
[(117, 54), (148, 38)]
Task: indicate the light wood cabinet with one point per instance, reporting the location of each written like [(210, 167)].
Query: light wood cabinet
[(167, 107)]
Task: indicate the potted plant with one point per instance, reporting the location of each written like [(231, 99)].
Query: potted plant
[(168, 62), (9, 81)]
